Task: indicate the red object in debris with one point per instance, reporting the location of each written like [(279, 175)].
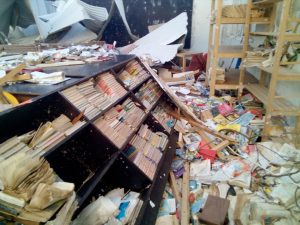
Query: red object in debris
[(205, 152), (192, 197), (198, 62)]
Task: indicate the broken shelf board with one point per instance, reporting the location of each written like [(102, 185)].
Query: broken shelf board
[(283, 74), (232, 80), (279, 105), (185, 207), (228, 20), (266, 2)]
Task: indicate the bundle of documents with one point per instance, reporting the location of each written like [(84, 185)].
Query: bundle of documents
[(29, 190), (260, 57), (163, 117), (133, 74), (41, 140), (149, 94), (44, 78), (94, 98), (120, 122)]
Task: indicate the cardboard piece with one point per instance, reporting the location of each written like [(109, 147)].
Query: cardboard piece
[(214, 211)]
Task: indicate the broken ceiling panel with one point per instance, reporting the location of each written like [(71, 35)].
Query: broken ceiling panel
[(163, 53), (78, 34), (98, 14), (157, 42), (66, 14), (168, 32)]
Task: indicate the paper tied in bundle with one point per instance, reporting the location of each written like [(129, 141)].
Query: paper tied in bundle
[(46, 195)]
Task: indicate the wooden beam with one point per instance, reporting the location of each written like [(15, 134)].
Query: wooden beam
[(185, 205), (174, 188), (203, 127), (221, 146), (11, 76)]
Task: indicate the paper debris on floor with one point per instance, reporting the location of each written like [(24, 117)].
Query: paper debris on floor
[(250, 181)]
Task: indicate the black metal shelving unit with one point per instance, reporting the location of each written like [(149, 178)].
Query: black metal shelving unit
[(87, 157)]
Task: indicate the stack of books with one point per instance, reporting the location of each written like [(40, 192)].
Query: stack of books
[(220, 75), (120, 122), (133, 74), (107, 84), (158, 140), (258, 57), (161, 115), (92, 98), (145, 156), (149, 94), (41, 140), (145, 149)]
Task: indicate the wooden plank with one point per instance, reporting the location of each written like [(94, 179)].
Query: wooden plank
[(245, 46), (273, 17), (286, 37), (221, 146), (229, 51), (261, 20), (232, 78), (294, 20), (210, 39), (234, 20), (291, 37), (174, 188), (282, 72), (11, 76), (214, 65), (263, 2), (289, 63), (67, 63), (203, 127), (185, 206)]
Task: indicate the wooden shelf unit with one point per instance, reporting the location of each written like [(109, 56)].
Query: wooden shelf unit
[(266, 91), (217, 51), (87, 157)]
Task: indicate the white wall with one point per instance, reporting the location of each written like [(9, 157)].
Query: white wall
[(200, 25)]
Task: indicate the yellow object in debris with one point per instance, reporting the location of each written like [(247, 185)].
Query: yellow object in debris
[(10, 98), (235, 127)]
